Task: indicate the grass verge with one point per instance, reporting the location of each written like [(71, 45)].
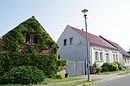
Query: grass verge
[(83, 82), (124, 72), (51, 80), (113, 72)]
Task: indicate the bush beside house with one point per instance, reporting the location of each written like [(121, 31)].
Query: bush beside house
[(106, 67), (23, 75)]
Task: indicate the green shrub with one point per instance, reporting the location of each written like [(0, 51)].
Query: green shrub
[(61, 63), (120, 66), (58, 77), (96, 68), (48, 63), (106, 67), (109, 67), (23, 75), (114, 67)]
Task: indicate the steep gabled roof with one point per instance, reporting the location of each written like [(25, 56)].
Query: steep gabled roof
[(120, 49), (15, 37), (93, 39)]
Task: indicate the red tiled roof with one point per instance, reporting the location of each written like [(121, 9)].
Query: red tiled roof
[(120, 49), (93, 39)]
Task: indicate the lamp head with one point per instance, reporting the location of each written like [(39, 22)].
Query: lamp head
[(84, 11)]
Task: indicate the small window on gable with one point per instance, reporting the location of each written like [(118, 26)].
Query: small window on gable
[(65, 42), (71, 41), (58, 56), (35, 39), (27, 38)]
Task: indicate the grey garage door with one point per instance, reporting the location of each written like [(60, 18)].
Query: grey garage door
[(76, 68)]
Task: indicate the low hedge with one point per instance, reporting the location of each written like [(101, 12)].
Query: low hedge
[(114, 66), (22, 75)]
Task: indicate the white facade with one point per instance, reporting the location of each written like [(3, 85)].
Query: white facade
[(102, 54), (73, 48), (74, 52)]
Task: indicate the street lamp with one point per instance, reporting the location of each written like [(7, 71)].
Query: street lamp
[(87, 44)]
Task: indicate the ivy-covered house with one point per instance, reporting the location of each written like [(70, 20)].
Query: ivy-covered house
[(29, 44), (27, 36)]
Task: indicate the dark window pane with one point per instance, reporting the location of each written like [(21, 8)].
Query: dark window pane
[(65, 42), (27, 38), (71, 41), (35, 39)]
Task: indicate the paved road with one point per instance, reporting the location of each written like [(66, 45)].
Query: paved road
[(123, 81)]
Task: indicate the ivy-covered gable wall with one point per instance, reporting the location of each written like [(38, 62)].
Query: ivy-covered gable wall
[(29, 44), (29, 36)]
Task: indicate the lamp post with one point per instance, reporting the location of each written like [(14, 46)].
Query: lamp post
[(87, 44)]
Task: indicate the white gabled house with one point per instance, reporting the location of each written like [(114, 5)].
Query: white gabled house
[(72, 44)]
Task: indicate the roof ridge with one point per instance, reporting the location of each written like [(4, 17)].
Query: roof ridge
[(93, 39)]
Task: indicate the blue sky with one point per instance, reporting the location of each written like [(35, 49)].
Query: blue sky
[(109, 18)]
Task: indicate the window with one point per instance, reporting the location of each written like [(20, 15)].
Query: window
[(96, 56), (101, 56), (114, 58), (35, 39), (71, 41), (125, 60), (27, 38), (65, 42), (31, 38), (58, 56), (107, 57)]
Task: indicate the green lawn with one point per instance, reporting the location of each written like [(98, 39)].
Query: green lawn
[(15, 85), (120, 72), (49, 80), (127, 71), (113, 72), (83, 82)]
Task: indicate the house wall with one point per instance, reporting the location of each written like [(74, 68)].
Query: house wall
[(104, 51), (126, 61), (76, 50), (76, 53)]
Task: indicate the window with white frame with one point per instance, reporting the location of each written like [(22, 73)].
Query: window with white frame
[(125, 60), (114, 58), (96, 56), (107, 57), (101, 56)]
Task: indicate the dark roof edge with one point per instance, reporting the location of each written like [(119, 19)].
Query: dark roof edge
[(107, 41)]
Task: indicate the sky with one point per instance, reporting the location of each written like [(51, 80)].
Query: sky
[(108, 18)]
